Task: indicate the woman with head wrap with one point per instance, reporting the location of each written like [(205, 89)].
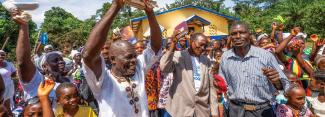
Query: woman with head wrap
[(52, 64), (76, 72), (294, 59)]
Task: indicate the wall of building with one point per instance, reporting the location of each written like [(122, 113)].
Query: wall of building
[(218, 26)]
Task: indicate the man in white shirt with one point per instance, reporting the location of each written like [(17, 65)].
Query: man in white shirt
[(120, 91)]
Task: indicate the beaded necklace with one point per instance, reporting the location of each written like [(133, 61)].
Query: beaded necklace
[(132, 93)]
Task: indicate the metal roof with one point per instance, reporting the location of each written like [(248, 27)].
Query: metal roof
[(187, 6)]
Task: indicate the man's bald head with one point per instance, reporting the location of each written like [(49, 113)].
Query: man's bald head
[(123, 58), (120, 46)]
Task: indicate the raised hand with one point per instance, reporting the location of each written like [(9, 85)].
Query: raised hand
[(119, 3), (281, 27), (293, 32), (45, 88), (274, 26), (149, 5), (174, 35), (15, 16), (320, 42)]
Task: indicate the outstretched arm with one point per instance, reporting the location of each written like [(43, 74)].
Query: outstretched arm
[(98, 37), (43, 92), (274, 26), (304, 65), (26, 67), (156, 36), (283, 45)]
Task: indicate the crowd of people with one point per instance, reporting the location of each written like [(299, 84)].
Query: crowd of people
[(245, 74)]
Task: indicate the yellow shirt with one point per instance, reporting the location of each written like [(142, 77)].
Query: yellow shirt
[(84, 111)]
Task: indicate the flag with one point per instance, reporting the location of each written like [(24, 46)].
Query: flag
[(43, 39)]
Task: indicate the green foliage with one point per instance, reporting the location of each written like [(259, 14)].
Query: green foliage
[(9, 28), (124, 16), (307, 14), (62, 27)]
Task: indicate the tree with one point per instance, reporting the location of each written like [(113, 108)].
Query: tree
[(63, 27), (124, 16), (9, 28), (304, 13)]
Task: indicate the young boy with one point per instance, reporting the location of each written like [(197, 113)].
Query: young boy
[(68, 98)]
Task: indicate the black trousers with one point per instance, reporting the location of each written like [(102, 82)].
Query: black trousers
[(238, 111)]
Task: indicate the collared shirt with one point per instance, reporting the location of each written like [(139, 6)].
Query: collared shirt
[(196, 73), (111, 95), (244, 76)]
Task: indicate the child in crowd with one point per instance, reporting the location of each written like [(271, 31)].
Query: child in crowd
[(280, 98), (320, 62), (40, 106), (221, 86), (68, 98), (295, 105), (318, 103)]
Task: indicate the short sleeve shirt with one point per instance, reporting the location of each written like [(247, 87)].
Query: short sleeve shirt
[(111, 95)]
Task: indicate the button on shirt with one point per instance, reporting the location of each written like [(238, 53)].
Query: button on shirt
[(111, 95), (196, 73), (244, 76)]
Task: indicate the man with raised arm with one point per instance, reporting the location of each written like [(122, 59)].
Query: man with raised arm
[(51, 64), (120, 91)]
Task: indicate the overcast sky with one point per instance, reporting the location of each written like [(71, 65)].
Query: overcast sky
[(82, 9)]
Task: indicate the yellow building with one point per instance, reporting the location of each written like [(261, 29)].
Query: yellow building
[(198, 19)]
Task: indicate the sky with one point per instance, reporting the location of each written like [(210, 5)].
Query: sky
[(82, 9)]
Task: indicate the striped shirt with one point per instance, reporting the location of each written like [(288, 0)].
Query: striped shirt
[(244, 76)]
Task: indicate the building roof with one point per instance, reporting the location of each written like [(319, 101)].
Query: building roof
[(198, 18), (183, 7)]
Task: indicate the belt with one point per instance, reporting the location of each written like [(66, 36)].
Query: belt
[(250, 106)]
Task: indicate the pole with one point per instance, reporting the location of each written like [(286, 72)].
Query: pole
[(4, 45)]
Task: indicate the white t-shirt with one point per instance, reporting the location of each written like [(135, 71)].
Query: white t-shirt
[(318, 107), (320, 51), (111, 95), (196, 73), (6, 73), (30, 88)]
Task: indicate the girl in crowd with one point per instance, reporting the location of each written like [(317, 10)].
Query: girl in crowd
[(7, 71), (280, 98), (295, 105), (68, 99), (318, 103)]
